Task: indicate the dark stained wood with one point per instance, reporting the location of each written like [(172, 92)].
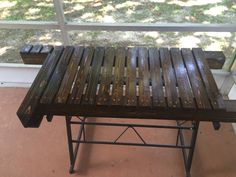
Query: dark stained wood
[(82, 74), (169, 78), (36, 49), (215, 59), (106, 78), (185, 90), (26, 111), (195, 80), (26, 49), (131, 98), (208, 80), (54, 84), (46, 49), (117, 91), (144, 78), (140, 112), (89, 97), (66, 84), (156, 78)]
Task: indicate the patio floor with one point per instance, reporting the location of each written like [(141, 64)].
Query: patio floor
[(43, 151)]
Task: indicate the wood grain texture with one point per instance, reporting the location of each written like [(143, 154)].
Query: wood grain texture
[(67, 82), (169, 78), (106, 78), (26, 111), (185, 90), (93, 78), (199, 91), (54, 84), (156, 78), (208, 80), (119, 77), (131, 98)]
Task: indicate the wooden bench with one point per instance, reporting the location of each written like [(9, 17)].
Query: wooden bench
[(146, 83)]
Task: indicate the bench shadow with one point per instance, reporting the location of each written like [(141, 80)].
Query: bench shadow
[(84, 154)]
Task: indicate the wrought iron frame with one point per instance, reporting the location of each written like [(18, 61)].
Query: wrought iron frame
[(187, 150)]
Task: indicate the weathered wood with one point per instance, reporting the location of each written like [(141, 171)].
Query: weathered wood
[(26, 111), (140, 112), (195, 80), (54, 84), (156, 78), (82, 74), (90, 94), (131, 95), (185, 90), (144, 78), (215, 59), (208, 80), (117, 91), (76, 81), (169, 78), (106, 78), (67, 82)]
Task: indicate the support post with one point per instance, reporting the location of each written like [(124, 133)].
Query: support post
[(188, 156), (73, 151)]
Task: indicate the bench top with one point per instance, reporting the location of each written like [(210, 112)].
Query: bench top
[(123, 82)]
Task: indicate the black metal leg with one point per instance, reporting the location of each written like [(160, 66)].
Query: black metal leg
[(73, 152), (188, 157)]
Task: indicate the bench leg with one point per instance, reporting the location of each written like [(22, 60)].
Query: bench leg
[(73, 151), (188, 153)]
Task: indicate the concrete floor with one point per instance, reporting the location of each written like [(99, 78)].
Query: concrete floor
[(43, 151)]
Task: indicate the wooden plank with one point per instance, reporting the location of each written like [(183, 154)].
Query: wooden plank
[(26, 49), (46, 49), (131, 95), (82, 75), (106, 78), (90, 94), (169, 78), (144, 78), (68, 79), (199, 92), (36, 49), (156, 78), (26, 111), (185, 90), (209, 82), (215, 59), (58, 74), (117, 91)]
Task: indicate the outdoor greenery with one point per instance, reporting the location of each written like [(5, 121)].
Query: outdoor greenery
[(119, 11)]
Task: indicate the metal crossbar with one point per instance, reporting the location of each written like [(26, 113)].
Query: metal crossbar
[(187, 149)]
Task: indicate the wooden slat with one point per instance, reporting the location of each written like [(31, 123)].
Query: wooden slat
[(27, 109), (36, 49), (185, 90), (57, 76), (93, 79), (156, 78), (68, 79), (131, 77), (106, 77), (117, 91), (195, 80), (209, 82), (169, 78), (46, 49), (26, 49), (82, 75), (144, 78)]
